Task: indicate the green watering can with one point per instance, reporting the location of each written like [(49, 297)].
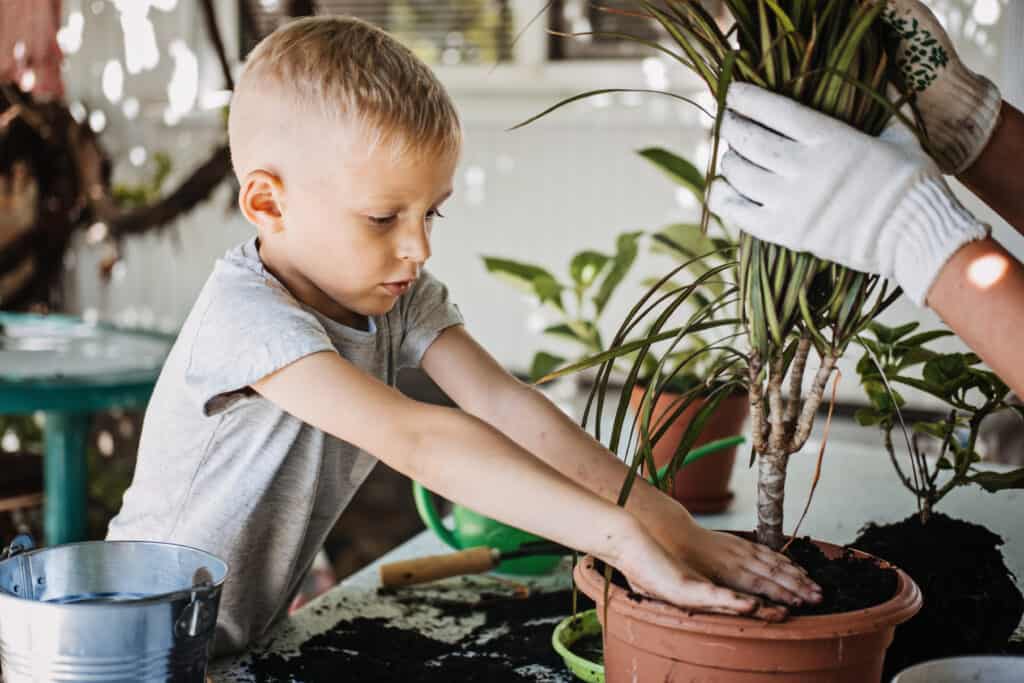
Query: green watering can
[(473, 529)]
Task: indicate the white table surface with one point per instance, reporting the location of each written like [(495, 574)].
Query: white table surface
[(857, 485)]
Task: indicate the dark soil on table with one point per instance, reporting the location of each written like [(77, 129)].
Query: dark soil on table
[(373, 651), (848, 583), (971, 601)]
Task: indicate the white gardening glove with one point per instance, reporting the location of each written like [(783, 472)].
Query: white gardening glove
[(960, 108), (809, 182)]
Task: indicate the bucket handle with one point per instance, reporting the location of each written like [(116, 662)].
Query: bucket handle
[(22, 543), (198, 616)]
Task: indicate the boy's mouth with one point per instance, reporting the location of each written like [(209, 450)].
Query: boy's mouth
[(397, 288)]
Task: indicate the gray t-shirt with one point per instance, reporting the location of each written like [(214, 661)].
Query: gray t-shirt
[(222, 469)]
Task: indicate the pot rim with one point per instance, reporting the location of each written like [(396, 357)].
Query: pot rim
[(902, 606)]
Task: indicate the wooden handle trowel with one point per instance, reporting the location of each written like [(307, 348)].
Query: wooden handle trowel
[(471, 561)]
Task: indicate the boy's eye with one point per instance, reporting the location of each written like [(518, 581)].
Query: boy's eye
[(434, 213), (382, 220)]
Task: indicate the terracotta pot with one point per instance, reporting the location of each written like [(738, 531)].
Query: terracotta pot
[(702, 486), (647, 640)]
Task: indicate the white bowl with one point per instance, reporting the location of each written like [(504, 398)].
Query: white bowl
[(990, 669)]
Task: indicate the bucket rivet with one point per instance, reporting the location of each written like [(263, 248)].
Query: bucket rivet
[(15, 588), (40, 581)]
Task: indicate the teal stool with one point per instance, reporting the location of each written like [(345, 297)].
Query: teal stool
[(69, 369)]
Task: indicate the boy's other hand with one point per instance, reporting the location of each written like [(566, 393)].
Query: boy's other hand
[(729, 560), (654, 572), (737, 563)]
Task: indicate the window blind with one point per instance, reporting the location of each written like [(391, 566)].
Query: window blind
[(438, 31)]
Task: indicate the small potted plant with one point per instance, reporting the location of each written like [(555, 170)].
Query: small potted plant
[(971, 601)]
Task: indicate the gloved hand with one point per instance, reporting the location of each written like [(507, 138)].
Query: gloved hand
[(960, 108), (809, 182)]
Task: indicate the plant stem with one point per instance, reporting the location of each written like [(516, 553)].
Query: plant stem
[(777, 437), (812, 402), (796, 376), (757, 416), (771, 491)]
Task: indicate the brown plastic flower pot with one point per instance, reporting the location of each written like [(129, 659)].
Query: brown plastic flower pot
[(647, 640), (702, 486)]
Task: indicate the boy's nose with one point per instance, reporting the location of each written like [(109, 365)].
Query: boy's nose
[(415, 244)]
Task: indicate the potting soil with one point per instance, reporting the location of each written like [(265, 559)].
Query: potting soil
[(971, 601), (512, 645)]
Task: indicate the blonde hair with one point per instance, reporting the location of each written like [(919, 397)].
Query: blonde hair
[(351, 72)]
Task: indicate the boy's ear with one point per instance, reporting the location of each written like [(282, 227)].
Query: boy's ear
[(261, 200)]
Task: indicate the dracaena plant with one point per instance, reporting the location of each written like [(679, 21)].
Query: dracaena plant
[(835, 56), (895, 357)]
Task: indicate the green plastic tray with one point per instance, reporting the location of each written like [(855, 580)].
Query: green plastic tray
[(568, 631)]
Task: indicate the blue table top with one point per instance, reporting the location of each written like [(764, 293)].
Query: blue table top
[(62, 363)]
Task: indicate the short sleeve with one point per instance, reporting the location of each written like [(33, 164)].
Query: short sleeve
[(427, 312), (245, 327)]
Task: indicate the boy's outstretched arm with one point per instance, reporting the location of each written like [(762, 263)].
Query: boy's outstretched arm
[(471, 462), (481, 387)]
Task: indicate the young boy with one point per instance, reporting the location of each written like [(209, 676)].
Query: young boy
[(279, 387)]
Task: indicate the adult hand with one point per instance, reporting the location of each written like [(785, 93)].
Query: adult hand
[(960, 108), (809, 182)]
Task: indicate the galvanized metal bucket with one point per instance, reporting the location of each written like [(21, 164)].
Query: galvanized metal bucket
[(111, 611)]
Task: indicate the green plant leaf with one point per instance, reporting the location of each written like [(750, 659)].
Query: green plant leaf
[(999, 481), (866, 417), (677, 168), (685, 239), (925, 337), (947, 373), (881, 397), (915, 356), (940, 430), (563, 330), (517, 273), (903, 330), (544, 363), (586, 266), (625, 255), (548, 290), (606, 91)]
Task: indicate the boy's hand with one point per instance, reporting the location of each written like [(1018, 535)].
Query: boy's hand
[(732, 561), (652, 571), (960, 108), (729, 560)]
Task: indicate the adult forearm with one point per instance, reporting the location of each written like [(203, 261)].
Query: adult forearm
[(997, 177), (979, 293), (469, 461), (536, 424)]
